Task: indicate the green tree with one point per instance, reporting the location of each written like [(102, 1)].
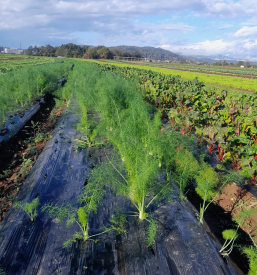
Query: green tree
[(29, 51), (91, 54), (104, 53)]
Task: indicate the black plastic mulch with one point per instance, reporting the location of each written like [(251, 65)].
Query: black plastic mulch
[(182, 246)]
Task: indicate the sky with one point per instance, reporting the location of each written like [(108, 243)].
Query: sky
[(189, 27)]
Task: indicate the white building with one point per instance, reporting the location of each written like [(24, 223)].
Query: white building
[(13, 51), (242, 66)]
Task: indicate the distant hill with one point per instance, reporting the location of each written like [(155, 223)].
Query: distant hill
[(215, 58), (151, 52), (211, 58)]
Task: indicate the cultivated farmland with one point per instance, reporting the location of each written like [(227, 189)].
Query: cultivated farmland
[(141, 164), (224, 79)]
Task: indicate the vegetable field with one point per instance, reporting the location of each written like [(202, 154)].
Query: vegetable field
[(130, 151), (14, 62), (19, 87), (227, 81)]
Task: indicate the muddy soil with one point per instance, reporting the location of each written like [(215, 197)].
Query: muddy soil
[(24, 147)]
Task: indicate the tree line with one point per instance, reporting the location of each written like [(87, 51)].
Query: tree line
[(75, 51)]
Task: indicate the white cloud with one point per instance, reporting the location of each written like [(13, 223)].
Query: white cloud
[(61, 10), (225, 26), (112, 22), (237, 49), (19, 22), (227, 8), (246, 32)]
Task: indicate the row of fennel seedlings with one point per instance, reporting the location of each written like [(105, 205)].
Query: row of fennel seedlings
[(143, 150)]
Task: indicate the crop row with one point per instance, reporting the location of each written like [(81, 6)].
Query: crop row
[(13, 64), (227, 124), (209, 69), (228, 81), (19, 87), (143, 149)]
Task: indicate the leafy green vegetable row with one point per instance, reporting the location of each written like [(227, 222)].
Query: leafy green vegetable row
[(144, 150), (210, 69), (227, 125), (19, 87), (228, 81), (13, 64)]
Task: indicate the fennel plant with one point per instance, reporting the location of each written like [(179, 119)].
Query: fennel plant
[(230, 236), (29, 208)]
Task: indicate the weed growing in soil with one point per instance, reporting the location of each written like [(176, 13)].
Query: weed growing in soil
[(29, 208), (31, 151), (38, 134), (5, 174), (245, 213), (25, 167)]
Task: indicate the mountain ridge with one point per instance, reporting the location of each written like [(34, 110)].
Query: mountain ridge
[(151, 52)]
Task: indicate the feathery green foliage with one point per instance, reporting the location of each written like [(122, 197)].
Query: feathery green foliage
[(87, 129), (92, 197), (244, 214), (186, 167), (72, 215), (29, 208), (117, 223), (230, 236), (128, 127), (151, 234), (207, 182), (81, 216), (251, 253), (19, 87)]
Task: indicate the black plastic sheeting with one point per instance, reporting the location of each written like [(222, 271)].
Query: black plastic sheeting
[(182, 245), (16, 123)]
